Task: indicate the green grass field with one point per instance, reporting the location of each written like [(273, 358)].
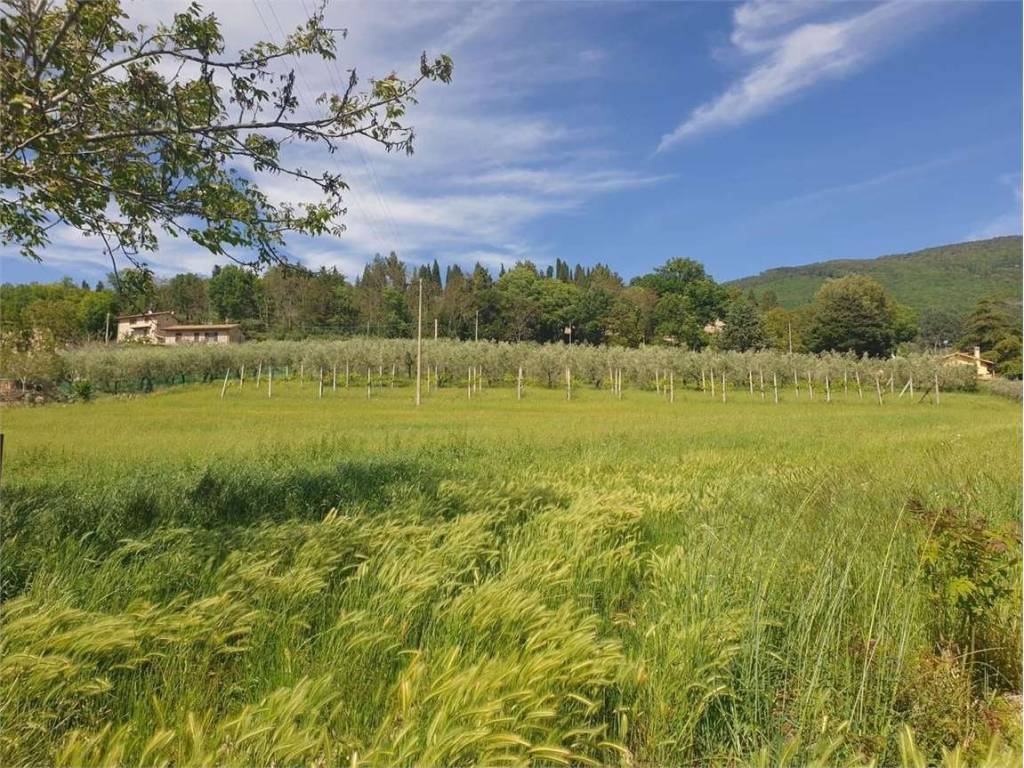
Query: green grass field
[(293, 581)]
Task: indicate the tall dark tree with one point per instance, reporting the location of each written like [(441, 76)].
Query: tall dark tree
[(743, 327), (938, 328), (136, 290), (703, 299), (233, 293), (186, 295), (992, 327), (676, 322), (854, 314)]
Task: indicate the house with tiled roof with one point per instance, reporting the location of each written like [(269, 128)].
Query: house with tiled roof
[(164, 328)]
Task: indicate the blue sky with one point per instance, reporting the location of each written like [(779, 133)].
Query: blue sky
[(745, 136)]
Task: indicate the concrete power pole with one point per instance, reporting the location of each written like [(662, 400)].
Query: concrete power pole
[(419, 341), (476, 327)]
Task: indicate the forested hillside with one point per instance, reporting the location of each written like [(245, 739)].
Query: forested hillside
[(949, 277)]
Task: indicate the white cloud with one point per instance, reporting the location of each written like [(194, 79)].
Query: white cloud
[(794, 46), (563, 181), (488, 162)]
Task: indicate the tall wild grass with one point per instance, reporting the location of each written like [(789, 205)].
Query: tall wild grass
[(190, 580)]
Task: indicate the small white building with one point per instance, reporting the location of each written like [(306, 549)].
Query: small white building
[(985, 368), (163, 328)]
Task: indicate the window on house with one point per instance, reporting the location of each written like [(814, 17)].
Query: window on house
[(195, 336), (211, 335), (177, 336)]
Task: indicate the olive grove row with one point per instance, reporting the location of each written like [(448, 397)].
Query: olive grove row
[(450, 363)]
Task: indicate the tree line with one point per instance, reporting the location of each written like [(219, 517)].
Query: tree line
[(676, 304)]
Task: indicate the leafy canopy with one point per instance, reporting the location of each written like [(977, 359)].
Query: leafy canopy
[(855, 314), (120, 133), (744, 328)]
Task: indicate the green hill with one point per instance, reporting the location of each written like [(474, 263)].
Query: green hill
[(948, 277)]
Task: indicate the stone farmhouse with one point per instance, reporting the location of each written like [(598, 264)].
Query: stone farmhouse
[(986, 368), (164, 328)]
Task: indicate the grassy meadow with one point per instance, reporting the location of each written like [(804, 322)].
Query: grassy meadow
[(193, 580)]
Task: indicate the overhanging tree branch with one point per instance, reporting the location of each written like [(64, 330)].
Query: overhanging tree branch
[(97, 137)]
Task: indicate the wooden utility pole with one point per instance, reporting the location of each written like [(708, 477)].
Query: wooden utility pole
[(671, 386), (241, 377), (106, 331), (435, 329), (723, 386), (419, 340), (519, 384), (775, 386)]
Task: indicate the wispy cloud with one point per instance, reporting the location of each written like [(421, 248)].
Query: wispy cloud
[(1008, 222), (793, 46), (488, 163), (878, 180), (563, 181)]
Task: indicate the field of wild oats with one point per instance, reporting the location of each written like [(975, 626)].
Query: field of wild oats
[(190, 580)]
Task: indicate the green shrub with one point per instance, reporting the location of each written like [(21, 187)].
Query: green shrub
[(970, 567), (81, 390)]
